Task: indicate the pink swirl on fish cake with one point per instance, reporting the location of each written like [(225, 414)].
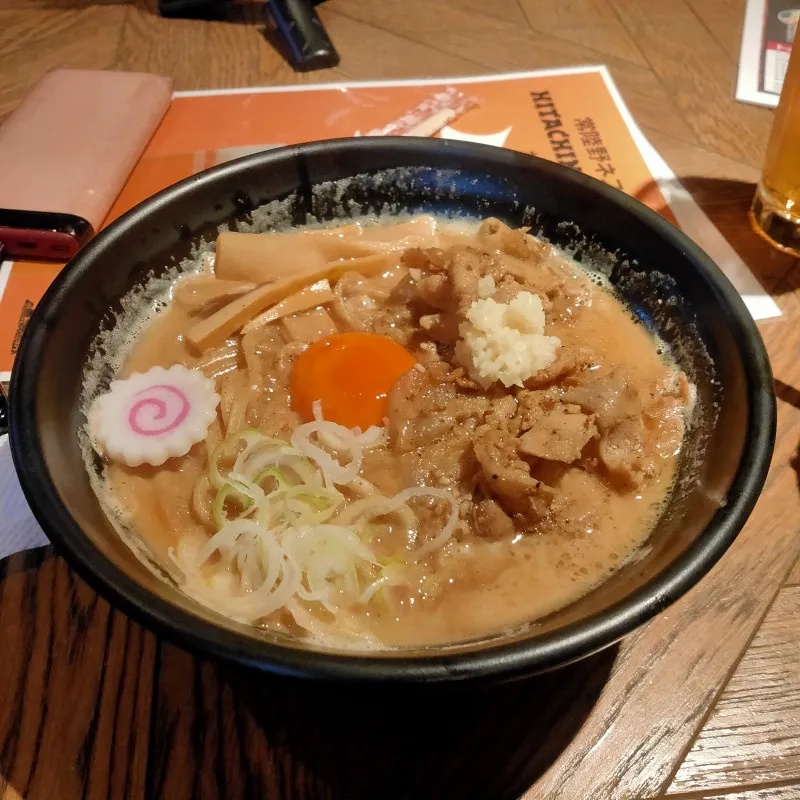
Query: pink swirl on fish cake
[(168, 403)]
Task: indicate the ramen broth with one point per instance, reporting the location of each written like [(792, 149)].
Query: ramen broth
[(586, 445)]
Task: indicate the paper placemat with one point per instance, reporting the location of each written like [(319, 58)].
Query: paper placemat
[(574, 116)]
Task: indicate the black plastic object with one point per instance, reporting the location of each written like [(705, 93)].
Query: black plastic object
[(308, 46), (667, 280), (213, 10), (302, 37)]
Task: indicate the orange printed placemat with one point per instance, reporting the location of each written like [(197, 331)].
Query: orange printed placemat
[(573, 116)]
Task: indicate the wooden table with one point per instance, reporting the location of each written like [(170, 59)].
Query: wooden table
[(704, 702)]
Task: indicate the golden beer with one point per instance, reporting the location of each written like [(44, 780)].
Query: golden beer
[(775, 213)]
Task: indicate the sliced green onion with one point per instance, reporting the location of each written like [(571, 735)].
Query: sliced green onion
[(281, 481), (229, 492), (248, 436), (286, 537)]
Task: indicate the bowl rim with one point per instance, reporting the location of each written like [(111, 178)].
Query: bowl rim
[(492, 661)]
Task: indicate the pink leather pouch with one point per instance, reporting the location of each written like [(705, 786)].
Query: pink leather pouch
[(66, 152)]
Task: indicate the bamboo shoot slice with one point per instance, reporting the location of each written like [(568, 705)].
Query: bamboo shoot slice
[(196, 291), (265, 257), (318, 294), (423, 226), (216, 328)]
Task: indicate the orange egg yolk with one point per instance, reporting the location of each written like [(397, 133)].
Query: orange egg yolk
[(351, 374)]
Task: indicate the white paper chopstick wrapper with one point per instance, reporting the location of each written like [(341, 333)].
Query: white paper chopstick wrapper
[(18, 528)]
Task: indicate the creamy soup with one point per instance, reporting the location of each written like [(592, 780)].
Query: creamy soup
[(409, 433)]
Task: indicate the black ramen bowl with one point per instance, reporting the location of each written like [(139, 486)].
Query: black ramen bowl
[(671, 285)]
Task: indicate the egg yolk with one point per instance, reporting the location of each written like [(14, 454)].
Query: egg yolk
[(351, 374)]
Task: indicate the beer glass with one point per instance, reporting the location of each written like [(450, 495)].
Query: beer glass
[(775, 213)]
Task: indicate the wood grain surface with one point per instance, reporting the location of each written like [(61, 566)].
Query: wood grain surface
[(243, 737), (702, 703), (794, 575), (752, 735), (772, 791), (76, 683)]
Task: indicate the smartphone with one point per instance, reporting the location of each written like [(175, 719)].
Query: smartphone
[(66, 153), (42, 234)]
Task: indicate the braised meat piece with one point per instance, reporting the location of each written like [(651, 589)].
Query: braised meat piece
[(559, 434), (507, 477), (617, 410), (491, 521)]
